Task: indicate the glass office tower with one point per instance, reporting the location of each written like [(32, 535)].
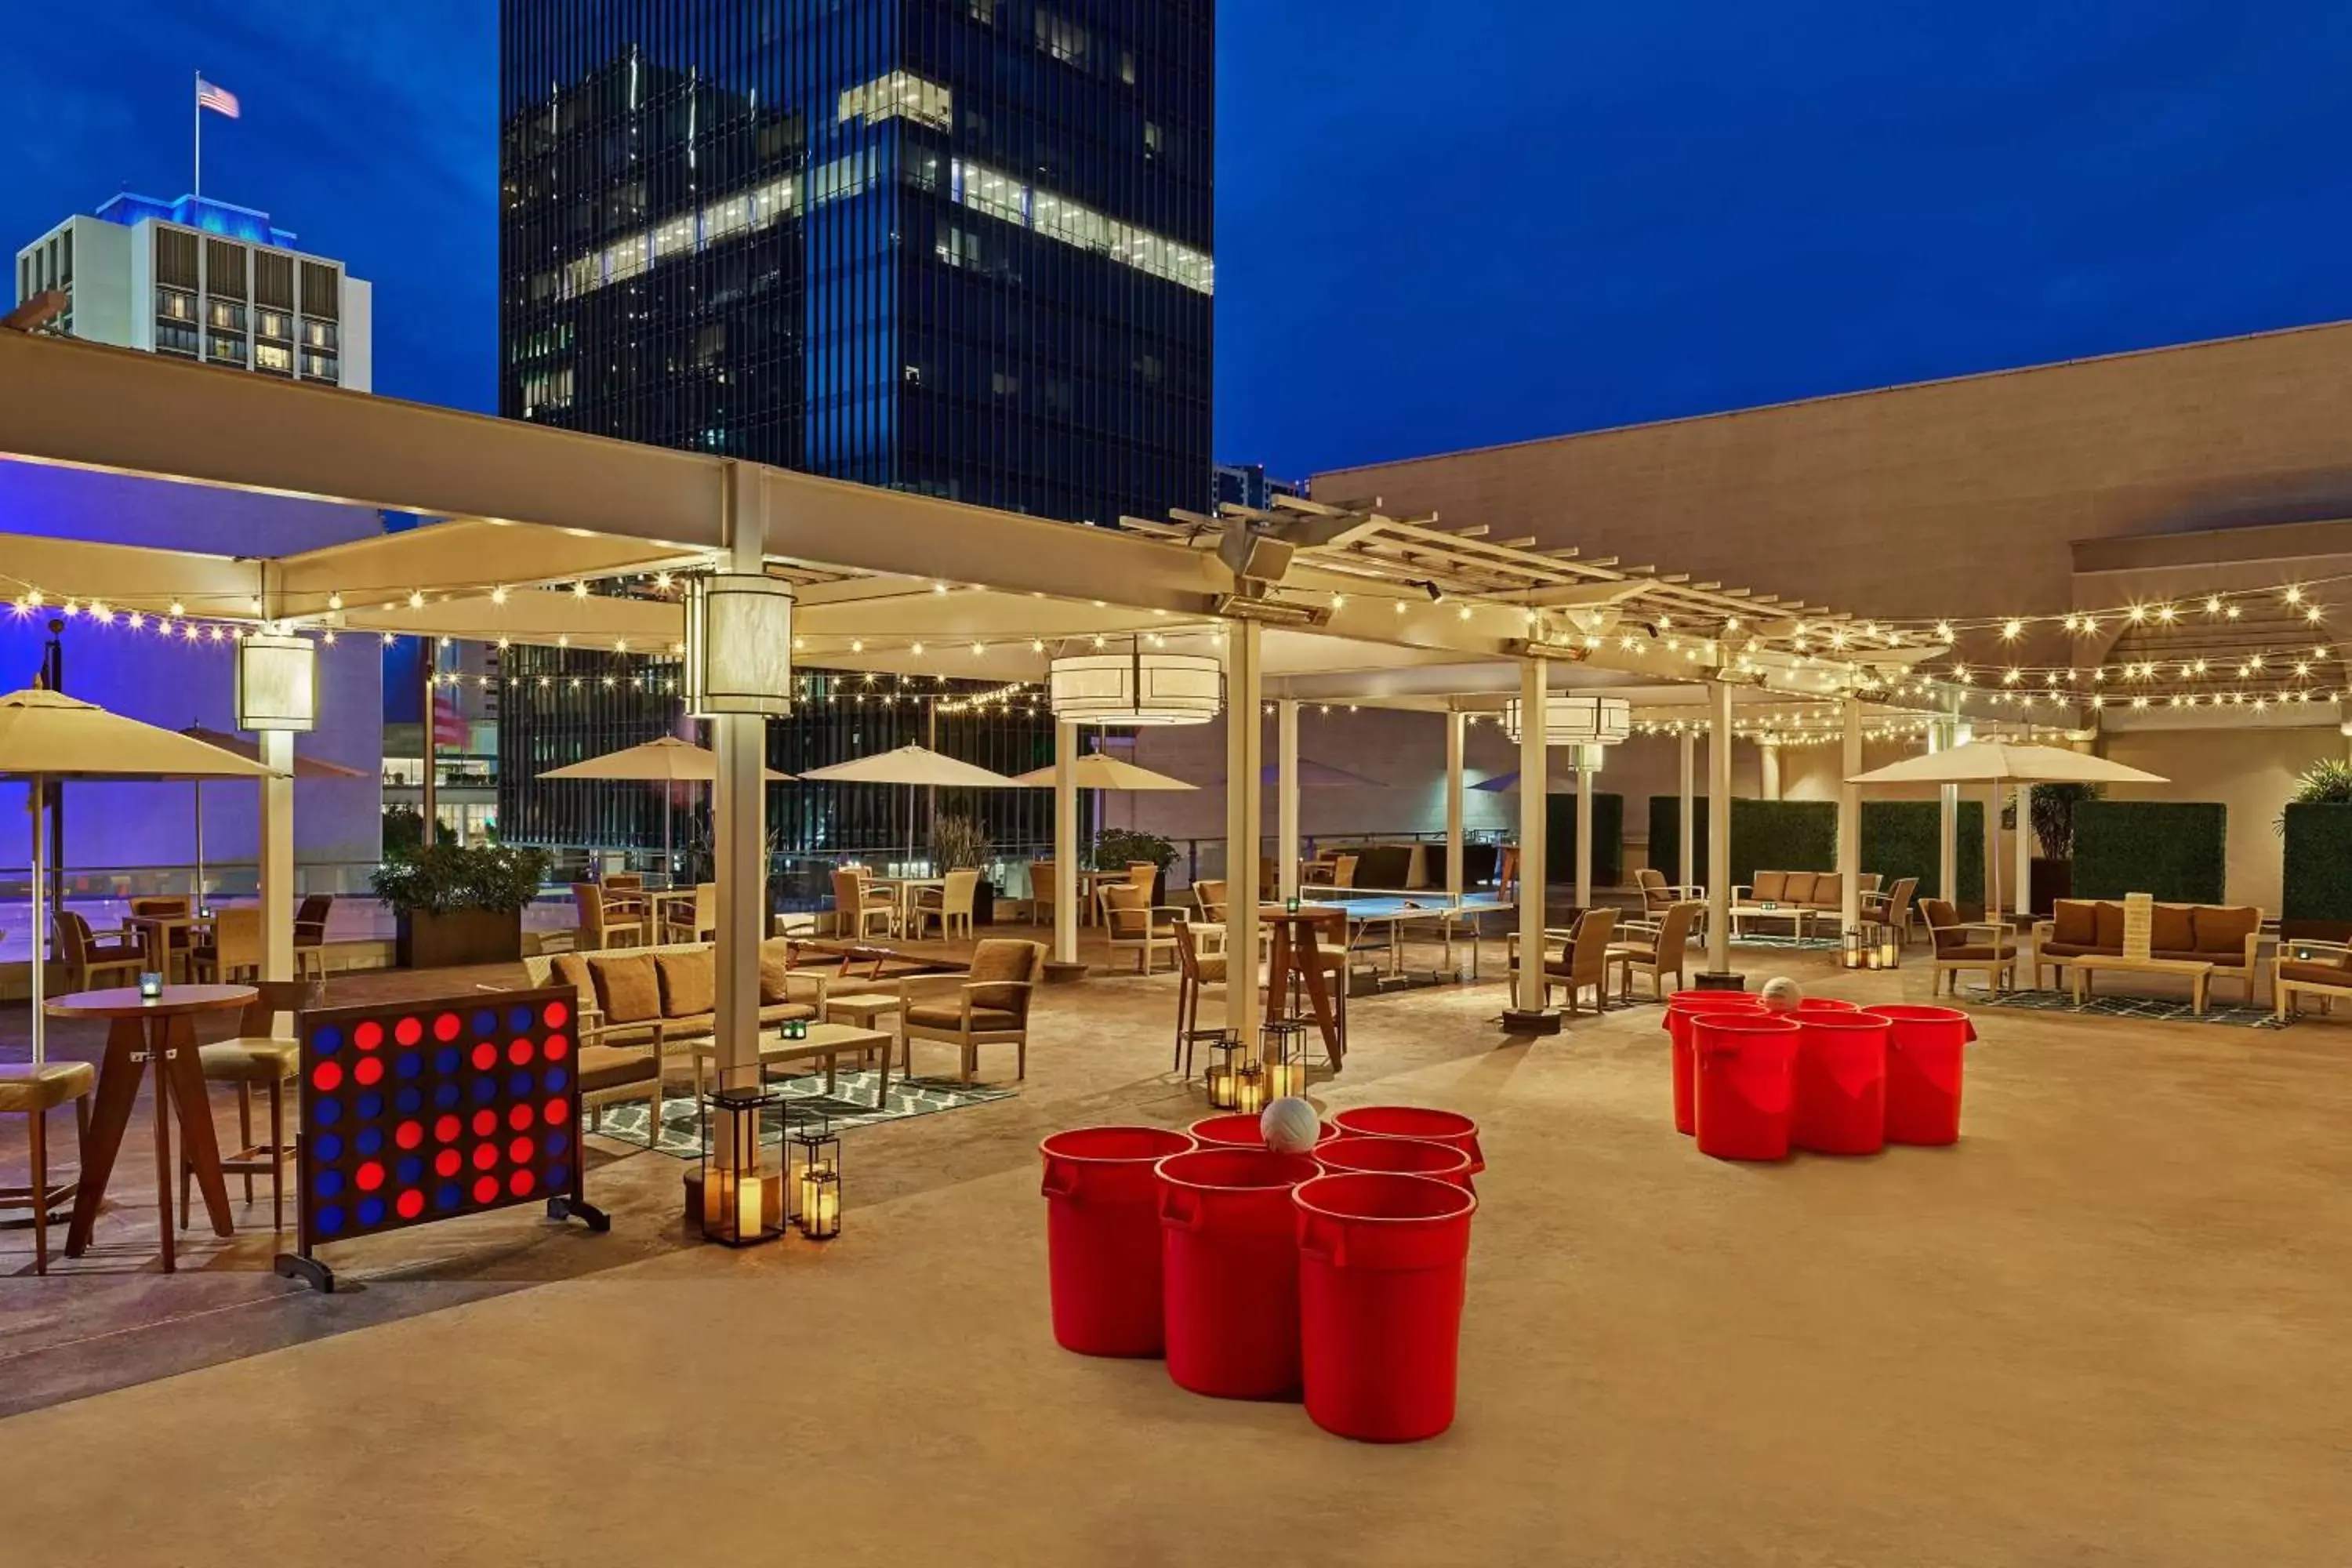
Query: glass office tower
[(957, 246)]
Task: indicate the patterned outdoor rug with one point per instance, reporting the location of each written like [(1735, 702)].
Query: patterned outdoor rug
[(2159, 1009), (1793, 943), (851, 1105)]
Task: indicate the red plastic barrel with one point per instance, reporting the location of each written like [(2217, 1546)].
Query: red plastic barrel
[(1241, 1132), (1230, 1265), (1840, 1082), (1102, 1237), (1825, 1005), (1924, 1048), (1398, 1156), (1415, 1121), (1382, 1261), (1680, 1007), (1746, 1084)]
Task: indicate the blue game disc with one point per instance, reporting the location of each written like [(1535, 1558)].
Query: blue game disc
[(369, 1140), (409, 1101), (486, 1022), (371, 1106), (555, 1081), (328, 1041), (409, 1172), (519, 1085), (408, 1064), (444, 1060), (486, 1089), (559, 1178), (446, 1096), (327, 1148), (371, 1211), (326, 1113), (448, 1196), (519, 1020), (326, 1184), (328, 1220), (558, 1142)]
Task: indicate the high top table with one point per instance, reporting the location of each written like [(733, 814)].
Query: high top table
[(1293, 930), (142, 1028)]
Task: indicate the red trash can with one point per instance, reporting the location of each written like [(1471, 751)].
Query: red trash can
[(1824, 1004), (1241, 1132), (1746, 1084), (1102, 1237), (1840, 1082), (1680, 1007), (1382, 1265), (1398, 1156), (1924, 1048), (1420, 1121), (1230, 1268)]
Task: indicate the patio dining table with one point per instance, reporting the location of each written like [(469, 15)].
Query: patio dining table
[(156, 933)]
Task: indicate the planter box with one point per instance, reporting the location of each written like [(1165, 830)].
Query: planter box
[(2052, 880), (983, 903), (460, 937)]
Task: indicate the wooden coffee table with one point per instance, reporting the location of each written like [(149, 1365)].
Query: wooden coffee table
[(827, 1043), (1800, 917), (2199, 972)]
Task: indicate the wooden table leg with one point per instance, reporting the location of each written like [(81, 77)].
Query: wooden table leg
[(164, 1147), (118, 1091), (1319, 995), (202, 1145)]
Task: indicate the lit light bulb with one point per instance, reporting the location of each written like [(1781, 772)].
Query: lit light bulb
[(416, 598), (2011, 630), (499, 594), (334, 601), (579, 590)]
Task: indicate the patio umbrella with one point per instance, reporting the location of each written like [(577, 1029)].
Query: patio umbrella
[(916, 765), (1095, 771), (304, 768), (1562, 783), (1996, 763), (45, 736), (664, 761)]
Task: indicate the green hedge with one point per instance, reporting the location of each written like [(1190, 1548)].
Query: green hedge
[(2173, 850), (1607, 840), (2317, 887), (1903, 838), (1899, 838)]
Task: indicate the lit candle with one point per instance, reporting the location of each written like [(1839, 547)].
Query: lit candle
[(151, 986), (820, 1203), (1249, 1090), (749, 1217)]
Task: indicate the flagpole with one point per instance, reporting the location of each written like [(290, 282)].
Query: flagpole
[(199, 191)]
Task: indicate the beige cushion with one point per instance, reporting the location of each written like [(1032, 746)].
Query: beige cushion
[(775, 983), (777, 1012), (30, 1088), (1828, 887), (609, 1066), (251, 1060), (1213, 970), (950, 1015), (2308, 971), (686, 986), (2169, 929), (2110, 921), (1770, 886), (999, 960), (627, 989), (2075, 922), (1977, 950), (572, 969)]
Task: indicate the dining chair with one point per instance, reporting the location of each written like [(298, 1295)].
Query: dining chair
[(91, 963), (32, 1091), (1041, 892), (234, 947), (857, 905), (1133, 924), (266, 1054), (311, 934), (173, 943), (700, 922), (947, 905), (601, 923)]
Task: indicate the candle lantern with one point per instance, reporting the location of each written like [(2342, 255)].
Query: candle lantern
[(796, 1029), (1855, 949), (742, 1179), (816, 1158), (1284, 1054), (1249, 1089), (1890, 947), (1291, 904), (1225, 1052), (151, 986)]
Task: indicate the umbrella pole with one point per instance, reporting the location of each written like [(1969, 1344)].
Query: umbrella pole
[(199, 845), (1992, 880), (40, 935)]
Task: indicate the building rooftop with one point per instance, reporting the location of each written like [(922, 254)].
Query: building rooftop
[(223, 218)]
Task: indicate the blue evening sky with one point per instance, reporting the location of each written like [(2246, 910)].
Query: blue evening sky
[(1439, 225)]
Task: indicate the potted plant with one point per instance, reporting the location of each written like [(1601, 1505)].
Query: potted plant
[(1116, 848), (959, 843), (2053, 829), (2316, 891), (458, 904)]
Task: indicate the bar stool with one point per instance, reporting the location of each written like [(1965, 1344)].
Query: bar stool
[(35, 1091), (259, 1056)]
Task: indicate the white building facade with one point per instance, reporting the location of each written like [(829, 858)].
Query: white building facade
[(201, 280)]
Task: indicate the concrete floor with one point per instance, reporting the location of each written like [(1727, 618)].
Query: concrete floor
[(2109, 1327)]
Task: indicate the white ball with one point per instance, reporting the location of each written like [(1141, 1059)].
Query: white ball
[(1781, 994), (1289, 1126)]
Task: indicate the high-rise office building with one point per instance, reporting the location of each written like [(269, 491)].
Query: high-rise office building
[(1249, 485), (198, 278), (961, 247)]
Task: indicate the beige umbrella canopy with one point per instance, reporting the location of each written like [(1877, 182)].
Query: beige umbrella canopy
[(1997, 763), (44, 736), (911, 766), (668, 759), (1095, 771)]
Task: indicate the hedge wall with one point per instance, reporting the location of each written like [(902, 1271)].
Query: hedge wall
[(2172, 850), (2315, 900), (1903, 838), (1899, 838), (1607, 840)]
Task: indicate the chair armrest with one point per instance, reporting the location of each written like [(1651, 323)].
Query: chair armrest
[(816, 982), (1653, 927), (910, 983)]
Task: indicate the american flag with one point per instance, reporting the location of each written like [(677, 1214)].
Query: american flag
[(219, 100), (449, 725)]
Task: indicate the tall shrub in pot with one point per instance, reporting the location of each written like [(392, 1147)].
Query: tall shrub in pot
[(2316, 828), (457, 904)]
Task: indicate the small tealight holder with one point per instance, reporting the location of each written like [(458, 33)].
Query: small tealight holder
[(796, 1029), (1290, 904), (1224, 1063), (1283, 1053), (1249, 1089), (151, 986), (818, 1176)]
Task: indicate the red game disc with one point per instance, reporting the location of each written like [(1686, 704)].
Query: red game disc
[(369, 1070), (408, 1031), (520, 1151), (520, 1184), (518, 1117), (485, 1057), (446, 1163), (556, 1111), (555, 1014), (409, 1134), (519, 1053), (445, 1029), (326, 1078), (368, 1036), (410, 1203), (445, 1129), (557, 1047), (370, 1177), (485, 1156), (486, 1189), (485, 1123)]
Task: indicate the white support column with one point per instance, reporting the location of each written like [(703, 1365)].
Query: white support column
[(1687, 743), (1948, 823), (1768, 757), (2022, 899), (1718, 829), (1244, 761), (1455, 724), (1583, 829), (1850, 820), (1533, 710), (738, 814), (277, 833), (1065, 842), (1285, 797)]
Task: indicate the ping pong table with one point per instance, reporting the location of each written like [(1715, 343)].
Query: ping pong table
[(1378, 917)]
